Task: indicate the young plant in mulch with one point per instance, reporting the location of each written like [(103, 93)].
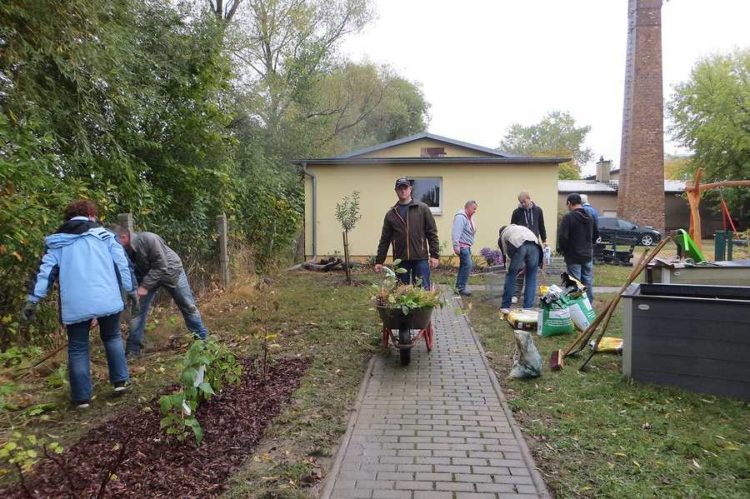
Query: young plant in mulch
[(21, 452), (266, 345), (206, 368), (347, 213), (392, 293)]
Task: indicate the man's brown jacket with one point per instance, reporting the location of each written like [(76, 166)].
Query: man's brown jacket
[(413, 238)]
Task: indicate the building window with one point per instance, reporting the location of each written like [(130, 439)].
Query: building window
[(433, 152), (428, 190)]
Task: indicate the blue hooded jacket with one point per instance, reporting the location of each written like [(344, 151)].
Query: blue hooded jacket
[(91, 266)]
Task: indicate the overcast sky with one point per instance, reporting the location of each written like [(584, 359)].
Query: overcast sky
[(485, 64)]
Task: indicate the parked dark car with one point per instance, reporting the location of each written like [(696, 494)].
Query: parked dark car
[(622, 231)]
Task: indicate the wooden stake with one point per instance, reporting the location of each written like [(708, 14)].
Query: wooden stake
[(346, 258)]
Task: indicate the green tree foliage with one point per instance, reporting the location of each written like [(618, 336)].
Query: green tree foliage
[(677, 167), (711, 116), (176, 111), (347, 211), (119, 102), (357, 105), (555, 135)]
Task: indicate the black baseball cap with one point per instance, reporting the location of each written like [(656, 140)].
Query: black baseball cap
[(402, 181)]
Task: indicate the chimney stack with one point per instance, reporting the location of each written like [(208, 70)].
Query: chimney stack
[(640, 194), (602, 170)]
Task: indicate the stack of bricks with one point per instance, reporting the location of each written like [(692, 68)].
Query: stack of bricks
[(640, 195)]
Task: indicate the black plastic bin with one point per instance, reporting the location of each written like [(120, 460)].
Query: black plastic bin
[(696, 337)]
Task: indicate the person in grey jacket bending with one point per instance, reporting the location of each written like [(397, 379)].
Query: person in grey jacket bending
[(156, 266), (462, 237)]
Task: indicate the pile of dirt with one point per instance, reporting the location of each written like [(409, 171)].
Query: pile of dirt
[(152, 466)]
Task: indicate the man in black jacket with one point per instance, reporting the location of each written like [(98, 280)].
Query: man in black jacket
[(576, 237), (410, 227), (529, 215)]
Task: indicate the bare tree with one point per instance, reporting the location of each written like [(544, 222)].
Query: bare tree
[(224, 10), (284, 44)]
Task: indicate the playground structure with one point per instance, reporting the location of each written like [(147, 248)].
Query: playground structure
[(694, 200)]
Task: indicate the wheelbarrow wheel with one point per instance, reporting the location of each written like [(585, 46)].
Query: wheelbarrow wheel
[(405, 354), (404, 338)]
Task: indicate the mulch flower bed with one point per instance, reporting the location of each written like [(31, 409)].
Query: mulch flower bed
[(233, 424)]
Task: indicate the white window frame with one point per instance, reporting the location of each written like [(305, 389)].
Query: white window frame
[(436, 210)]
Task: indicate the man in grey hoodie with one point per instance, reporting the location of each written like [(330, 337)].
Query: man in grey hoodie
[(462, 237), (157, 266)]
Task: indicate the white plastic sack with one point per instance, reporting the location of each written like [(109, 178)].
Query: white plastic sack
[(527, 363), (581, 312)]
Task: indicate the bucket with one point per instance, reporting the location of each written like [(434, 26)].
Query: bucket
[(394, 318)]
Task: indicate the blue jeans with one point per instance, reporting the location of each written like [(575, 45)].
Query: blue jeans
[(79, 372), (584, 272), (525, 256), (464, 269), (416, 270), (183, 298)]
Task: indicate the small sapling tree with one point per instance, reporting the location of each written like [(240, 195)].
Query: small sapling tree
[(347, 213)]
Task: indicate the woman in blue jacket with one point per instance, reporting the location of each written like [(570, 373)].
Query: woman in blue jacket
[(92, 268)]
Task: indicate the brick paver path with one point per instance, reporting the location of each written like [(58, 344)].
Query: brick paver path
[(438, 428)]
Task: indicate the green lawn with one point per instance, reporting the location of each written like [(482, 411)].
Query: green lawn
[(592, 434), (596, 434)]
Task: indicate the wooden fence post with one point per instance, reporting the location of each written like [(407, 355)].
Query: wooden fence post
[(221, 223), (126, 220)]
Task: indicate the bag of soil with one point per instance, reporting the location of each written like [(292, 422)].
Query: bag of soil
[(523, 319), (527, 363), (554, 318), (608, 344), (581, 311)]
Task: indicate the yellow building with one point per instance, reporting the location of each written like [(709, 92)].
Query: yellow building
[(445, 172)]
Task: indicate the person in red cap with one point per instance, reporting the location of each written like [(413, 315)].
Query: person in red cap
[(410, 228)]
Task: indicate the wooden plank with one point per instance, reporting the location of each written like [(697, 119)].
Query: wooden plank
[(666, 363), (693, 348), (698, 330), (734, 389)]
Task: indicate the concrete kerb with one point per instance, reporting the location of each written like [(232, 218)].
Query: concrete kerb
[(517, 433), (334, 471)]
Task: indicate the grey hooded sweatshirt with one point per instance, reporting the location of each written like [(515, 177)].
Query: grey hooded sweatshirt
[(463, 230)]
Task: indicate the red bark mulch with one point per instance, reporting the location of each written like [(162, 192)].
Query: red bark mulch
[(233, 423)]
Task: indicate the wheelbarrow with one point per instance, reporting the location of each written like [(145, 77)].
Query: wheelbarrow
[(398, 327)]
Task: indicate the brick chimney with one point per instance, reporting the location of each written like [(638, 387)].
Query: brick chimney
[(640, 196), (602, 170)]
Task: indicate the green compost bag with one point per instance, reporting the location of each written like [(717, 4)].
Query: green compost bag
[(581, 311), (554, 319)]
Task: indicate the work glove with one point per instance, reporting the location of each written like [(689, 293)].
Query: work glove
[(29, 311), (134, 303)]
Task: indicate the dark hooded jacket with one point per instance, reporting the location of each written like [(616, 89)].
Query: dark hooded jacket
[(533, 218), (576, 237), (413, 238)]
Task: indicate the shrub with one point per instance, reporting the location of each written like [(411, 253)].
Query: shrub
[(492, 257), (206, 368)]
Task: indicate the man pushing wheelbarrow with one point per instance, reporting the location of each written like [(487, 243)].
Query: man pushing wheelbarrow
[(410, 228)]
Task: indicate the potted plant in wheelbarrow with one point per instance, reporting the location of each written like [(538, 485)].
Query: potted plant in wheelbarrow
[(403, 308)]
